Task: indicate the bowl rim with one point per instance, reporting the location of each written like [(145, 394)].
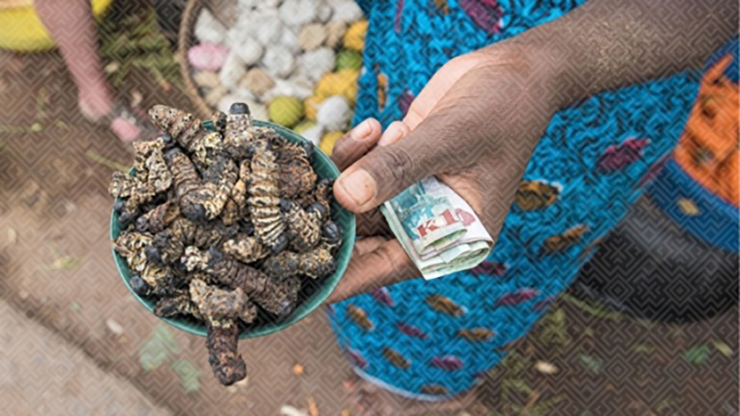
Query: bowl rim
[(303, 309)]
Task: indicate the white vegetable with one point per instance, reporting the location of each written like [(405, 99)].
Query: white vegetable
[(314, 134), (208, 29), (324, 12), (347, 12), (232, 70), (249, 50), (334, 113), (315, 64), (290, 41), (298, 12), (270, 31), (285, 87), (278, 61)]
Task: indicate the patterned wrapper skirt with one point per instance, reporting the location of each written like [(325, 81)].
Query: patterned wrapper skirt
[(432, 339)]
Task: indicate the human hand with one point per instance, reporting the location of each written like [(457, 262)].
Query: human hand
[(474, 126)]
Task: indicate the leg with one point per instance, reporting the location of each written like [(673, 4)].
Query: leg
[(71, 24)]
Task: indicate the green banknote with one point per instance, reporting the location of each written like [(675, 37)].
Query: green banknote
[(437, 228)]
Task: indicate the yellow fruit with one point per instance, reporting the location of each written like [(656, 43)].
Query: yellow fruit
[(343, 82), (327, 142), (303, 126), (285, 110), (355, 37), (312, 106)]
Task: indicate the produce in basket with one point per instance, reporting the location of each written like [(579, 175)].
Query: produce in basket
[(290, 60), (224, 226)]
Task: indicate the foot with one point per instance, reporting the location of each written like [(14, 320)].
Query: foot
[(95, 103), (125, 129), (100, 108)]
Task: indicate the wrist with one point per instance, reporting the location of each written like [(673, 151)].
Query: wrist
[(545, 58), (558, 56)]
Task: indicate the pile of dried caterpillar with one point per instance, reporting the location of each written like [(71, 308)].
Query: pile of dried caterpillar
[(220, 224)]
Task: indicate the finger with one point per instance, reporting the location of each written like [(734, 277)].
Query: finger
[(366, 245), (387, 170), (395, 132), (385, 265), (356, 143)]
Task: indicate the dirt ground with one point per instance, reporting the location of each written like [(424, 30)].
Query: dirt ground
[(60, 290)]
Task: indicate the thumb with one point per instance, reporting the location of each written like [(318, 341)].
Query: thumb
[(387, 170)]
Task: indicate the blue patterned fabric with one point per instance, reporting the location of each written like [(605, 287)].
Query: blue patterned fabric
[(432, 339)]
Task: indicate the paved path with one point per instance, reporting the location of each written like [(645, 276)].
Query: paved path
[(42, 374)]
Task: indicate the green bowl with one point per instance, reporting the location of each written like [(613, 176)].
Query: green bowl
[(310, 298)]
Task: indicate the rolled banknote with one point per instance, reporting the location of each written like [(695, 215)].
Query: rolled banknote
[(437, 228)]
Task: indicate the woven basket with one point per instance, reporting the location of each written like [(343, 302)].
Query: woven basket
[(184, 42)]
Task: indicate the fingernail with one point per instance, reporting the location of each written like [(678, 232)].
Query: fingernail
[(362, 131), (395, 132), (359, 185)]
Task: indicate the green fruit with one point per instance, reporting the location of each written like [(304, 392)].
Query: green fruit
[(303, 126), (287, 111), (348, 59)]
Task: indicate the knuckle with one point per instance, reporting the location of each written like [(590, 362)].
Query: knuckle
[(341, 144), (386, 255), (340, 147), (382, 255), (399, 164)]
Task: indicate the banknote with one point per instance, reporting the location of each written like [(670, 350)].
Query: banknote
[(437, 228)]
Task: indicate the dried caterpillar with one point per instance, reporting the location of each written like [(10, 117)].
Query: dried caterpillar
[(159, 218), (222, 341), (202, 198), (121, 185), (218, 304), (237, 125), (206, 149), (268, 293), (236, 206), (183, 127), (150, 176), (159, 177), (131, 246), (323, 195), (297, 177), (316, 263), (177, 305), (246, 249), (264, 201), (304, 226), (167, 246), (219, 179), (187, 184)]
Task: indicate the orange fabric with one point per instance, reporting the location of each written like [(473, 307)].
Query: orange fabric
[(708, 149)]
